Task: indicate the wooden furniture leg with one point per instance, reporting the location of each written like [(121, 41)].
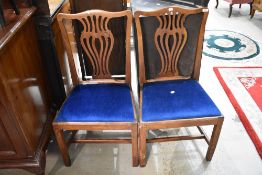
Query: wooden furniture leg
[(62, 146), (214, 139), (230, 10), (142, 155), (251, 8), (134, 135), (252, 13), (217, 4), (239, 5)]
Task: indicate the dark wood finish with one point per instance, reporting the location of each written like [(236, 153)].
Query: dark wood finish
[(169, 54), (95, 29), (43, 20), (25, 104)]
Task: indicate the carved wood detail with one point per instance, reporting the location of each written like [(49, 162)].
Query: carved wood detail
[(170, 38), (97, 41)]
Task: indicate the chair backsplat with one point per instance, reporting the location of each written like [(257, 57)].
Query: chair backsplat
[(97, 41), (170, 38), (171, 47)]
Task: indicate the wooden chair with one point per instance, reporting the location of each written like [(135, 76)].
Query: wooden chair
[(256, 5), (170, 46), (232, 2), (103, 102)]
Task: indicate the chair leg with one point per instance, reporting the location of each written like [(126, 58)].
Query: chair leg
[(217, 4), (252, 13), (230, 10), (62, 146), (134, 135), (240, 6), (251, 8), (142, 155), (214, 139)]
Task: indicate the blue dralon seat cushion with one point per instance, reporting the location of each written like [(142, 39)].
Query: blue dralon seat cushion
[(98, 103), (179, 99)]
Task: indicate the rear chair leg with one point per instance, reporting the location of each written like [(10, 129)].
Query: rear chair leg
[(62, 146), (214, 139), (142, 155), (217, 4), (134, 135), (230, 10)]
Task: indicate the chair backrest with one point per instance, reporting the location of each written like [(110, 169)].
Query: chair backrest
[(117, 26), (170, 43), (97, 41)]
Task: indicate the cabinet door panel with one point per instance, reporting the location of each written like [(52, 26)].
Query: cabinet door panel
[(11, 142), (6, 147)]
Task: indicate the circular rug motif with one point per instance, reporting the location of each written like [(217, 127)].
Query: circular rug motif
[(228, 45)]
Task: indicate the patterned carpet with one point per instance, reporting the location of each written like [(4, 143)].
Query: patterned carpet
[(243, 86), (229, 45)]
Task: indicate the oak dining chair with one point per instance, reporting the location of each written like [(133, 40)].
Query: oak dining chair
[(103, 101), (170, 48)]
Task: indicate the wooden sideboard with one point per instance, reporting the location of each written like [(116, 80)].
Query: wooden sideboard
[(25, 101), (33, 79)]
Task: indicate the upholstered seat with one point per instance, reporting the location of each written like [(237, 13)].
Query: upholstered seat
[(179, 99), (98, 103)]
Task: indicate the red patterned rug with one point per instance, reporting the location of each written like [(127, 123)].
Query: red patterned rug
[(243, 86)]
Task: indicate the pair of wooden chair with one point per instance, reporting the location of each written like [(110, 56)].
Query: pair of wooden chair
[(169, 44)]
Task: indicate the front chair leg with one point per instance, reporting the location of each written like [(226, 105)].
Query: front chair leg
[(134, 135), (62, 146), (142, 154), (230, 10), (214, 139)]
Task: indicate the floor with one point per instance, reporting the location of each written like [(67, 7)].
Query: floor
[(235, 153)]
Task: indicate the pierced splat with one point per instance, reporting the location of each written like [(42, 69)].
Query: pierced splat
[(170, 38), (97, 41)]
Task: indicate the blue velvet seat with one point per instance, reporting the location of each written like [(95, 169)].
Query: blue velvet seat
[(98, 103), (179, 99)]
